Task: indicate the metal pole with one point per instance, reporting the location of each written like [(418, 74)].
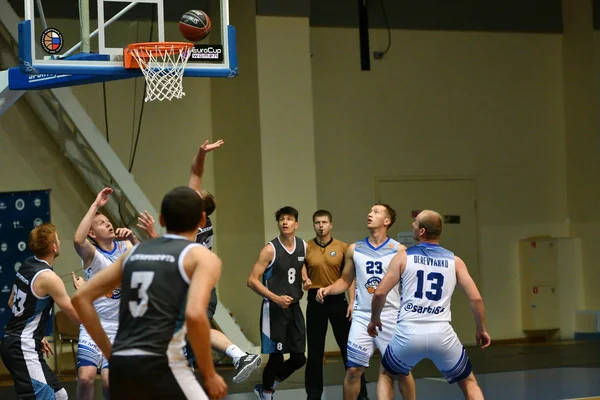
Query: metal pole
[(107, 23), (84, 21), (42, 16)]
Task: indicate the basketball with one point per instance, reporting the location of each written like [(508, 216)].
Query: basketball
[(194, 25)]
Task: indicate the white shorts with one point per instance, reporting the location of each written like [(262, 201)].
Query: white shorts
[(437, 341), (88, 353), (361, 346)]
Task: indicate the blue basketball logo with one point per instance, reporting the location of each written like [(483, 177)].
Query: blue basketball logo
[(372, 284), (115, 294)]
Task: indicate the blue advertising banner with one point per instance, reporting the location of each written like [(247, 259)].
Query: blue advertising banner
[(20, 212)]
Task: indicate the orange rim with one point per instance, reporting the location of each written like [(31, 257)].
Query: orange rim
[(150, 48)]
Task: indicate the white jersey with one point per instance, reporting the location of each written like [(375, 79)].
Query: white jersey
[(371, 263), (427, 284), (106, 306)]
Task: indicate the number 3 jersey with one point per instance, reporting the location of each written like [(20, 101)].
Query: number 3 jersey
[(154, 291), (283, 275), (427, 284), (371, 264), (30, 312)]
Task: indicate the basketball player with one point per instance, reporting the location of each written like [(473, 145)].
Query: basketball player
[(244, 363), (428, 274), (367, 261), (35, 290), (324, 265), (104, 246), (147, 361), (281, 265)]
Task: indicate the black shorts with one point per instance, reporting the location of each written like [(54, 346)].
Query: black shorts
[(33, 378), (282, 329), (210, 313), (152, 377), (212, 304)]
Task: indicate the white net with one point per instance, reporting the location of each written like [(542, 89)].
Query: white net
[(162, 66)]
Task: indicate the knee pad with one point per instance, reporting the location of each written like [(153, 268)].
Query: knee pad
[(298, 360), (61, 395)]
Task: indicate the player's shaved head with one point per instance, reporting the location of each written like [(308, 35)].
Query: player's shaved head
[(432, 222)]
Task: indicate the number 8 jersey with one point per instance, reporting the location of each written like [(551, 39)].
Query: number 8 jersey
[(427, 284), (283, 275), (370, 264)]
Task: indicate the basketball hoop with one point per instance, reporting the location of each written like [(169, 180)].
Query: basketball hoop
[(162, 64)]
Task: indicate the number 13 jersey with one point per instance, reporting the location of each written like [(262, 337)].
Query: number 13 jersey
[(371, 264), (427, 284)]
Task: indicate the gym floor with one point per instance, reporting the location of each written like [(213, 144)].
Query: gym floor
[(535, 371)]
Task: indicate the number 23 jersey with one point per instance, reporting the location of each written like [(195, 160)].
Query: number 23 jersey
[(427, 284), (371, 264)]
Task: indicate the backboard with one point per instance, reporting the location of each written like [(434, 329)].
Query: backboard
[(56, 52)]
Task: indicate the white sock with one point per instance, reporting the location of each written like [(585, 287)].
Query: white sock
[(275, 384), (266, 396), (235, 353)]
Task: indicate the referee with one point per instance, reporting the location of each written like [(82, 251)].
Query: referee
[(324, 263)]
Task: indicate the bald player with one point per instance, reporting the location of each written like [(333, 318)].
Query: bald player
[(428, 274)]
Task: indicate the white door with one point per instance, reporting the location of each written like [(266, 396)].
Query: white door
[(455, 200)]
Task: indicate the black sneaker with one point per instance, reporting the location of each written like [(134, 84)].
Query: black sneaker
[(245, 366)]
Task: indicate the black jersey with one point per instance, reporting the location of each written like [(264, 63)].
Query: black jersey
[(30, 313), (154, 289), (205, 238), (205, 235), (283, 276)]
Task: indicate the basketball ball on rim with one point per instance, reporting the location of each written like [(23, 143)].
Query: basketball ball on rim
[(194, 25)]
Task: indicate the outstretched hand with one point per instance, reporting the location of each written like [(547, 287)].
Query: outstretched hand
[(102, 197), (146, 222), (198, 161), (208, 147)]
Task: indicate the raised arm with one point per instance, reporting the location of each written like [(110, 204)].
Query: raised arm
[(197, 169), (466, 283), (82, 246), (50, 284), (101, 283), (264, 259), (204, 276)]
